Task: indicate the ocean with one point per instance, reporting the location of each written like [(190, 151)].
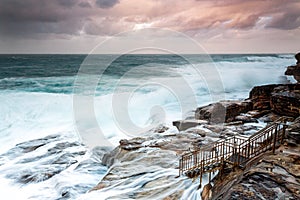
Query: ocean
[(81, 104)]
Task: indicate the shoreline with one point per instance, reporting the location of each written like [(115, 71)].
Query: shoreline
[(135, 158)]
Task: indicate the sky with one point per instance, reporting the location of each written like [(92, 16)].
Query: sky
[(219, 26)]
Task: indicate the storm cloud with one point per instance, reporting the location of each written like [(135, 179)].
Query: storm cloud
[(67, 3), (106, 3), (287, 21), (85, 5), (42, 19)]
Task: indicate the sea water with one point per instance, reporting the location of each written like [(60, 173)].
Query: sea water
[(37, 100)]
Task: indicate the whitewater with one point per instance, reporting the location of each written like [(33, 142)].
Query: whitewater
[(37, 101)]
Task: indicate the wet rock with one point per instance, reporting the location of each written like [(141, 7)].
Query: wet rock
[(133, 144), (223, 111), (200, 132), (160, 129), (215, 128), (258, 113), (109, 158), (59, 147), (246, 119), (235, 123), (36, 174), (269, 117), (29, 146), (32, 145), (183, 125), (294, 132), (46, 157), (247, 130), (66, 158), (72, 191)]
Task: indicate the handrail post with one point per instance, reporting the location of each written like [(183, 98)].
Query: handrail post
[(235, 152), (283, 132), (180, 166), (275, 138), (223, 156), (248, 149)]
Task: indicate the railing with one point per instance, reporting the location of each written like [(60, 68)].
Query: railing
[(237, 150)]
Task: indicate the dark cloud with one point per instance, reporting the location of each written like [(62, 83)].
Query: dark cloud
[(40, 30), (31, 11), (106, 3), (84, 5), (286, 21), (67, 3), (33, 18)]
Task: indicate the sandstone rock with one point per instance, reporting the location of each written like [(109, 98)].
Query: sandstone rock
[(223, 111), (283, 99), (260, 96)]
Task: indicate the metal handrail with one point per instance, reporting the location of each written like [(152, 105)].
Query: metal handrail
[(240, 146)]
